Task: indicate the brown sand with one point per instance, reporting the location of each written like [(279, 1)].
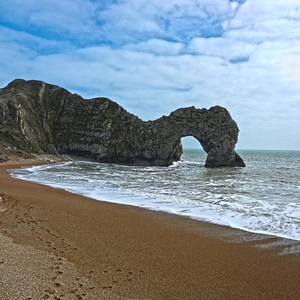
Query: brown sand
[(57, 245)]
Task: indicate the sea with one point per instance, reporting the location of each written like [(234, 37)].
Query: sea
[(263, 197)]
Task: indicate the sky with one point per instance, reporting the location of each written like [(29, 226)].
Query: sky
[(154, 56)]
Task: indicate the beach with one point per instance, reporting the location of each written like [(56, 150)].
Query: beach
[(59, 245)]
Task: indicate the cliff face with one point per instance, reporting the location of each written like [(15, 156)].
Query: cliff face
[(39, 117)]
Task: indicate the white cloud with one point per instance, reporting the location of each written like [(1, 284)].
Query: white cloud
[(258, 21), (291, 63), (222, 47), (155, 56), (48, 13), (34, 44), (157, 46), (129, 16)]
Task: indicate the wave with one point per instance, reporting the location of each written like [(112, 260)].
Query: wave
[(253, 199)]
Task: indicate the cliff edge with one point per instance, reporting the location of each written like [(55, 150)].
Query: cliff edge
[(37, 117)]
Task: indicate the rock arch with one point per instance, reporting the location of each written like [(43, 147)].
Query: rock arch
[(39, 117), (214, 128)]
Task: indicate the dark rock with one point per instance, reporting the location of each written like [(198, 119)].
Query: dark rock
[(38, 117)]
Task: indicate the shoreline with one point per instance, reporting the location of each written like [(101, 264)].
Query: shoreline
[(113, 251), (206, 218)]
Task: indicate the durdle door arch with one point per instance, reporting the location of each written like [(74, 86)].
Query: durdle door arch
[(40, 117), (213, 128)]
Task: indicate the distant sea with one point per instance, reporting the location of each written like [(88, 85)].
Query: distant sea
[(263, 198)]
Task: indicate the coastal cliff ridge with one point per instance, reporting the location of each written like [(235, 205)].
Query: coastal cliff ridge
[(37, 117)]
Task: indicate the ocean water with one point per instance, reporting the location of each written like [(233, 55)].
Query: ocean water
[(264, 197)]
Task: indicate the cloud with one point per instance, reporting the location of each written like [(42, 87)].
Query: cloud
[(55, 20), (158, 47), (178, 21), (258, 21), (226, 48), (137, 16), (155, 56), (32, 43)]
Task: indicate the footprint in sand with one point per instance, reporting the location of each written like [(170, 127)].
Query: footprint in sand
[(57, 284)]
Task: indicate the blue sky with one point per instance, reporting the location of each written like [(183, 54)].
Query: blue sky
[(154, 56)]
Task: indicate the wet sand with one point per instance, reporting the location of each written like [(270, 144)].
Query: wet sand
[(58, 245)]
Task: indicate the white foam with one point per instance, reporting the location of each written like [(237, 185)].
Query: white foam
[(231, 197)]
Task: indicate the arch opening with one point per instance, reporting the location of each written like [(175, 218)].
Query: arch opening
[(192, 150), (189, 142)]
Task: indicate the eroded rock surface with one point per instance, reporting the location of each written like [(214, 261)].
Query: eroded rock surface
[(39, 117)]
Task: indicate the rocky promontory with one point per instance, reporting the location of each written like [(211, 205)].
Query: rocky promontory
[(36, 117)]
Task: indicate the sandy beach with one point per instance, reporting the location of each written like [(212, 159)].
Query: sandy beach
[(58, 245)]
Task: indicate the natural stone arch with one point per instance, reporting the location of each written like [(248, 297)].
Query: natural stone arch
[(36, 116), (214, 128)]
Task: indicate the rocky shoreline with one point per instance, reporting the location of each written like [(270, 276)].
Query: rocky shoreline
[(37, 117)]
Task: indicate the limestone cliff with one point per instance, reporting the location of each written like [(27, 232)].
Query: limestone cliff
[(39, 117)]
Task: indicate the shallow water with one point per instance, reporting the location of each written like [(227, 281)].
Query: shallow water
[(264, 197)]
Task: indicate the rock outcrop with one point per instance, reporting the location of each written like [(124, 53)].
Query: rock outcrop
[(38, 117)]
